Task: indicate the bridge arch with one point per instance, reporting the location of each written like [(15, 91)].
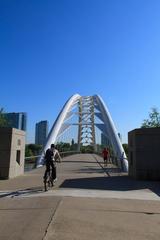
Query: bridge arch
[(86, 113)]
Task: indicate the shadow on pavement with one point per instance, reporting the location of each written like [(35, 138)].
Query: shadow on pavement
[(21, 192), (74, 161), (114, 183), (88, 169)]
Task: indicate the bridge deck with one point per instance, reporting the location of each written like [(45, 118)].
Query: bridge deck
[(89, 201)]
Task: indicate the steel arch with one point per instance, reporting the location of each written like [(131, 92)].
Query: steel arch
[(108, 128)]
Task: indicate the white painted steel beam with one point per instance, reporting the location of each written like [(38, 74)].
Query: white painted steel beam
[(58, 124), (112, 133)]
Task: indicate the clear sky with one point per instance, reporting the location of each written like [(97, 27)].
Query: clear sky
[(52, 49)]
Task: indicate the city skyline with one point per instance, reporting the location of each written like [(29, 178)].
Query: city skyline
[(51, 50), (17, 120), (41, 132)]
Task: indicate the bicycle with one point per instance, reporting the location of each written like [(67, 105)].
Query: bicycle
[(48, 181)]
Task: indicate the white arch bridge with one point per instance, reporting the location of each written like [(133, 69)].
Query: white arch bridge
[(87, 113)]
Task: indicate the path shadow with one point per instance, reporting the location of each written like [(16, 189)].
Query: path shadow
[(112, 170), (107, 170), (114, 183), (74, 161), (89, 170), (21, 192)]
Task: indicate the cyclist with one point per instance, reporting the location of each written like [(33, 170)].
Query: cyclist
[(51, 157)]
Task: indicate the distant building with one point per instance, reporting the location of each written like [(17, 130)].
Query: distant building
[(104, 140), (41, 132), (17, 120)]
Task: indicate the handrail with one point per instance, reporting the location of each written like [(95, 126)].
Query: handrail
[(62, 154), (32, 157), (29, 160), (59, 153)]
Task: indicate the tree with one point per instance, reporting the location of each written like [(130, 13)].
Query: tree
[(63, 146), (87, 149), (28, 152), (3, 120), (125, 147), (153, 120), (32, 149)]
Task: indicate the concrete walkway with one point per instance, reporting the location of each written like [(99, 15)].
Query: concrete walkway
[(89, 201)]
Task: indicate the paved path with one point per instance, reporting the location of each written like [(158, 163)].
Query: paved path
[(89, 201)]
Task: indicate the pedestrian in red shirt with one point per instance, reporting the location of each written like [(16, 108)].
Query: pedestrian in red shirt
[(105, 154)]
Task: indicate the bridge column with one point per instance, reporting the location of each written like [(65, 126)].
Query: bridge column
[(12, 151)]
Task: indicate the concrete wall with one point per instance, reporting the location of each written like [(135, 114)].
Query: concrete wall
[(12, 152), (144, 153)]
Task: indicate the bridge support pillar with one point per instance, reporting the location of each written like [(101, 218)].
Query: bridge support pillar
[(12, 151), (144, 153)]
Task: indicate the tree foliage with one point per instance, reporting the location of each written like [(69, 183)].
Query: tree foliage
[(153, 119), (3, 120), (32, 150), (65, 146), (87, 149), (125, 147)]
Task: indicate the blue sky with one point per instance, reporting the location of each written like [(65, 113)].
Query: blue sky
[(52, 49)]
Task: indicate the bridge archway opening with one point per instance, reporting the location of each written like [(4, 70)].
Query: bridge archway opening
[(85, 121)]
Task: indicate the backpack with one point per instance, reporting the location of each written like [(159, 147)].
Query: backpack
[(49, 155)]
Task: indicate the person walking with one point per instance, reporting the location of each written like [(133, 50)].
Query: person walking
[(105, 154)]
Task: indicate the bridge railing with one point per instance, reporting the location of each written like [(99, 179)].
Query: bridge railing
[(31, 162)]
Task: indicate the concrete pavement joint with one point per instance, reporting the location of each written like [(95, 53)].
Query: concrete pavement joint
[(51, 219)]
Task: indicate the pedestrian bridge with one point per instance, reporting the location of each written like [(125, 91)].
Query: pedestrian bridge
[(86, 121), (81, 175), (86, 193)]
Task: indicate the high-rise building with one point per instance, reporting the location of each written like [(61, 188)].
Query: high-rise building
[(104, 140), (41, 132), (17, 120)]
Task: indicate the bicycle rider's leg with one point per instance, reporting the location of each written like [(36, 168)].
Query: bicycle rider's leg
[(47, 170), (54, 175)]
